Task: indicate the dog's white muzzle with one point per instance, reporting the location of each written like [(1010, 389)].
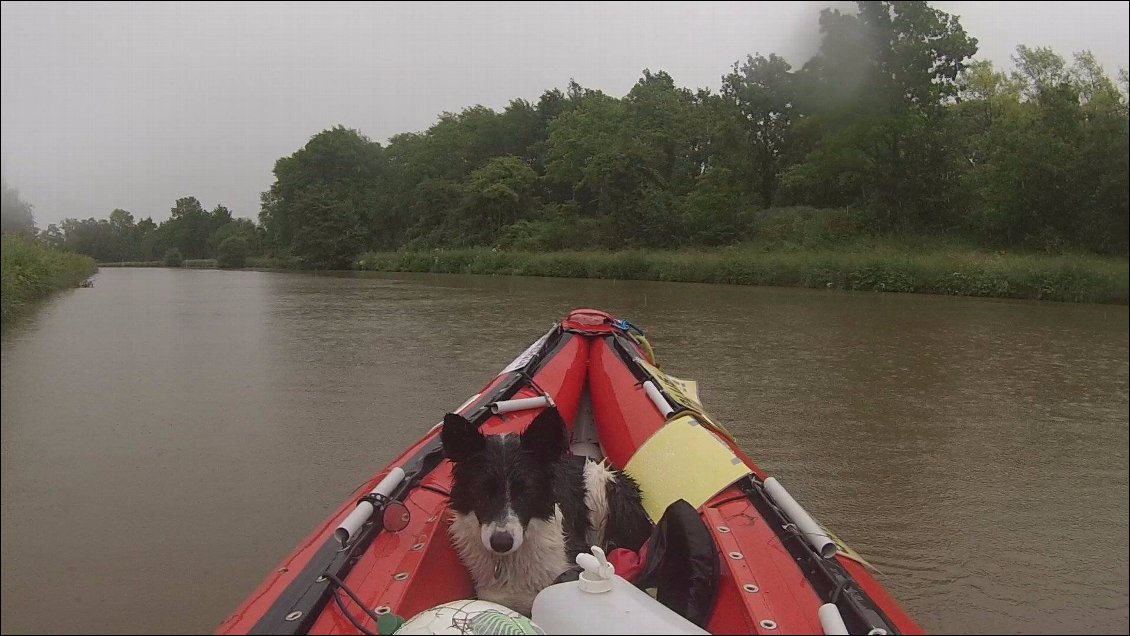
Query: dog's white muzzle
[(504, 536)]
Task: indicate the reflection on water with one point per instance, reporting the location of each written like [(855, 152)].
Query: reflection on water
[(170, 435)]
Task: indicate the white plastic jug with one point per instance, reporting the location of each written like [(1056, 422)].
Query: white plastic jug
[(602, 603)]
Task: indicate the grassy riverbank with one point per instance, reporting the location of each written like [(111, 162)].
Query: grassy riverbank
[(892, 268), (262, 262), (29, 271), (190, 263), (863, 265)]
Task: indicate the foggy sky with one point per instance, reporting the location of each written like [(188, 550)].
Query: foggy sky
[(131, 106)]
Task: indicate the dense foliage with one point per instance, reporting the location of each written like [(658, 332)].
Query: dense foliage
[(15, 213), (892, 122), (892, 118), (29, 271), (191, 232)]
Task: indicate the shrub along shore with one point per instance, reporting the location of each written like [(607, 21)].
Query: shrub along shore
[(1074, 278), (257, 262), (190, 263), (923, 266), (29, 271)]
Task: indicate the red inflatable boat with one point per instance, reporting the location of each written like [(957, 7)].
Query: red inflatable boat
[(759, 563)]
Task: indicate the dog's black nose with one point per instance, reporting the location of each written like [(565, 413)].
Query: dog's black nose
[(501, 541)]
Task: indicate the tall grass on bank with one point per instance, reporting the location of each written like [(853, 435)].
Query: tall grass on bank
[(29, 271), (133, 264), (253, 262), (190, 263), (1076, 278)]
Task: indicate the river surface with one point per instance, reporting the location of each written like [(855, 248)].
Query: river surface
[(170, 435)]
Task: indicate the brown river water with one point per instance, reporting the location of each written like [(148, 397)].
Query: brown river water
[(170, 435)]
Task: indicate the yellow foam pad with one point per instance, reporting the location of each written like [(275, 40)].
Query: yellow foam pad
[(683, 460)]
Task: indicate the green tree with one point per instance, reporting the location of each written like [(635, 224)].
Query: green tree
[(232, 252), (331, 231), (618, 157), (338, 172), (892, 118), (434, 207), (497, 194), (875, 98), (188, 228), (15, 213), (762, 94), (53, 237), (122, 237), (1054, 172), (581, 142), (665, 120), (94, 238), (147, 247), (173, 258), (716, 209), (219, 217), (243, 229)]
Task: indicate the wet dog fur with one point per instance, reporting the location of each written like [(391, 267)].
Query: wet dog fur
[(523, 508)]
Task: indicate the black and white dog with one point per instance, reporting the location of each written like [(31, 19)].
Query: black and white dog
[(523, 509)]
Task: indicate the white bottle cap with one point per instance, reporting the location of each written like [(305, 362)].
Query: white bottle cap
[(598, 572)]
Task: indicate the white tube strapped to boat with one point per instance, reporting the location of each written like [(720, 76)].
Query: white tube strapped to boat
[(831, 620), (507, 406), (816, 536), (364, 509), (657, 398)]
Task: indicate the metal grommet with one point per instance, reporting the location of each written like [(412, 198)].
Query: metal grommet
[(293, 616), (735, 555), (322, 579), (768, 624), (283, 570), (382, 609), (417, 547), (400, 576), (751, 588), (723, 529)]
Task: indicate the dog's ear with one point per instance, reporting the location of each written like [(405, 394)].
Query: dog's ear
[(461, 439), (545, 437)]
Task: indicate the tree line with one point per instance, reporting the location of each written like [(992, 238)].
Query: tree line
[(892, 123), (891, 119), (191, 232)]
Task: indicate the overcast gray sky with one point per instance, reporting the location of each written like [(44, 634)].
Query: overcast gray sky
[(134, 105)]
